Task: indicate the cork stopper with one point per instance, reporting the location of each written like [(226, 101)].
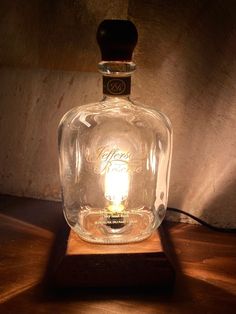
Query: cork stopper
[(117, 40)]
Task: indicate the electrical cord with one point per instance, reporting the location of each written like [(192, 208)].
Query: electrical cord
[(202, 222)]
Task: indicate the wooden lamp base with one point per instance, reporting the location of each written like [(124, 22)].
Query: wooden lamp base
[(82, 264)]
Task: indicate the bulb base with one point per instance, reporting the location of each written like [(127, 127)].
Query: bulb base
[(115, 221)]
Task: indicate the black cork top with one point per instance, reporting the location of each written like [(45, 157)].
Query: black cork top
[(117, 39)]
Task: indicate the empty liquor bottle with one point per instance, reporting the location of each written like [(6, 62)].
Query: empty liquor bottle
[(115, 154)]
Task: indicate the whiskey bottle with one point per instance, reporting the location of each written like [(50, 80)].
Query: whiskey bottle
[(115, 154)]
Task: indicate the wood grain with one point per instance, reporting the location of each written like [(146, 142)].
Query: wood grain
[(82, 264), (205, 263)]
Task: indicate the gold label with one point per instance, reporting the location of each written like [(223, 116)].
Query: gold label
[(116, 86)]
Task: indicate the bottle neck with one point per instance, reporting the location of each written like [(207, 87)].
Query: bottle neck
[(116, 78)]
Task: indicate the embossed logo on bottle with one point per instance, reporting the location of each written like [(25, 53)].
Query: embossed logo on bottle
[(106, 157)]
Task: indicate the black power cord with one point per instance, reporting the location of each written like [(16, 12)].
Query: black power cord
[(202, 222)]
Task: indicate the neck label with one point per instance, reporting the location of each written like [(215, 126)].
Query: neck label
[(116, 85)]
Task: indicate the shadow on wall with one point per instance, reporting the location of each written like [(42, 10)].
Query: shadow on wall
[(56, 34), (190, 48), (210, 107), (41, 41)]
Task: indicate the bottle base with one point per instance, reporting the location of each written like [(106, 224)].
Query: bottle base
[(115, 239), (133, 226)]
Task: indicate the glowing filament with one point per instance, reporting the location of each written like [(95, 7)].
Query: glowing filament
[(117, 185)]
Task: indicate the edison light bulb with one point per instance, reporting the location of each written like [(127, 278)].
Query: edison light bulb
[(117, 185)]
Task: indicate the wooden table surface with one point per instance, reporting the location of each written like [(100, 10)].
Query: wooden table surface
[(205, 263)]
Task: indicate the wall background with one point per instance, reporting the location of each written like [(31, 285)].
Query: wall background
[(186, 59)]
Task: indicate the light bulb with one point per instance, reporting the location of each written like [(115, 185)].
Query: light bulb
[(117, 185)]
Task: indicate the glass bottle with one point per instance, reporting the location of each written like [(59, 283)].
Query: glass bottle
[(115, 154)]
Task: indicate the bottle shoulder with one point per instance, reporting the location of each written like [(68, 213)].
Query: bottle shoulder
[(115, 108), (153, 113), (79, 114)]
